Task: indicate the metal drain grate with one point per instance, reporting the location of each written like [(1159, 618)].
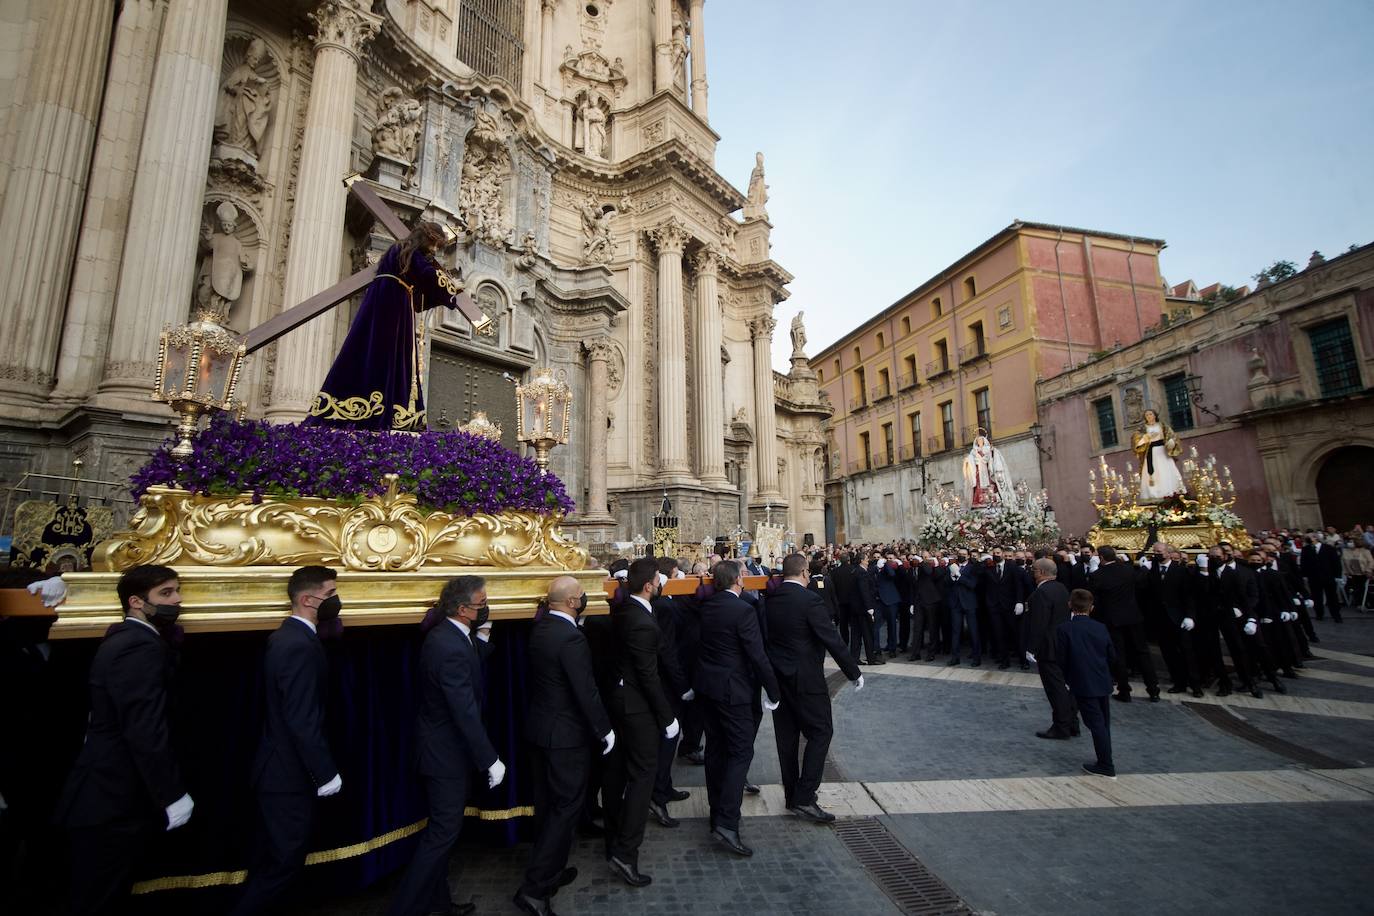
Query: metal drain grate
[(1239, 728), (913, 887)]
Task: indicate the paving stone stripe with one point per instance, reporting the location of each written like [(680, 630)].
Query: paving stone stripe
[(1350, 658)]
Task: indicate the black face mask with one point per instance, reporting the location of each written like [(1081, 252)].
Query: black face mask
[(483, 614), (161, 614), (328, 609), (579, 605)]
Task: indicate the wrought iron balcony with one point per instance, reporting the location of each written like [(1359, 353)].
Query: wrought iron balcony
[(906, 380), (936, 368), (972, 352)]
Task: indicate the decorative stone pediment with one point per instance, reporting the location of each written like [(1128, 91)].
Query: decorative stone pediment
[(591, 68)]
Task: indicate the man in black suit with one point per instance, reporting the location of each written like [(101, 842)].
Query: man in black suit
[(293, 766), (863, 620), (1169, 589), (565, 720), (799, 635), (1006, 596), (928, 601), (451, 742), (676, 688), (1240, 584), (1088, 654), (732, 656), (842, 578), (125, 785), (641, 714), (819, 583), (963, 607), (1321, 567), (1049, 608), (1114, 598)]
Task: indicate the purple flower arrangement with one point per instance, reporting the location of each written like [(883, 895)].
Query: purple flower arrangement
[(452, 471)]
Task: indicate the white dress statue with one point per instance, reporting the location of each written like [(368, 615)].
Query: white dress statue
[(1156, 446), (987, 482)]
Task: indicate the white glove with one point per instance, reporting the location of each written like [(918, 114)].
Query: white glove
[(484, 632), (1030, 657), (609, 741), (672, 729), (770, 705), (870, 612), (953, 571), (330, 788), (1297, 603), (1202, 561), (882, 562), (53, 591), (1236, 611), (1308, 604), (1144, 562), (1250, 627), (1187, 624), (495, 773), (1095, 562), (179, 812), (1267, 620), (859, 684), (689, 696), (1019, 609)]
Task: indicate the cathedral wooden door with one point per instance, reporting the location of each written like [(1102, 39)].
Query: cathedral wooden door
[(460, 384)]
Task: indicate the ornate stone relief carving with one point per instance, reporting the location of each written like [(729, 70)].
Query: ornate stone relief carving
[(396, 134), (597, 247), (591, 125), (225, 262), (486, 169), (244, 108)]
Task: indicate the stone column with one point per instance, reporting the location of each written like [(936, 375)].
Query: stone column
[(698, 59), (531, 62), (86, 331), (41, 213), (710, 396), (342, 28), (159, 261), (765, 423), (546, 46), (598, 359), (670, 237), (663, 45)]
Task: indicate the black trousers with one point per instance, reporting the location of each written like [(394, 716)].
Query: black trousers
[(692, 728), (1131, 639), (1325, 595), (1004, 637), (284, 820), (843, 617), (925, 629), (1097, 715), (424, 886), (861, 628), (802, 714), (103, 859), (903, 624), (730, 730), (630, 770), (1241, 662), (1062, 706), (560, 787), (957, 617), (1180, 657), (667, 752)]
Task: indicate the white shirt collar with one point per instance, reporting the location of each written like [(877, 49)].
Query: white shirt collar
[(142, 621), (304, 621), (647, 606), (566, 616), (461, 626)]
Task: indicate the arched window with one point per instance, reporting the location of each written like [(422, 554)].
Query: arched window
[(970, 288)]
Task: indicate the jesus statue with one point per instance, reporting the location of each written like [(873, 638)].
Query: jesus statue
[(375, 382)]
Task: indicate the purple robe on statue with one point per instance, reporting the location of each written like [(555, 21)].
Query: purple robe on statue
[(375, 381)]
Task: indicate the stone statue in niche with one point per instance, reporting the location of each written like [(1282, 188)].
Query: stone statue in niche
[(219, 283), (397, 131), (798, 336), (486, 167), (590, 129), (597, 247), (758, 192), (245, 103), (679, 47)]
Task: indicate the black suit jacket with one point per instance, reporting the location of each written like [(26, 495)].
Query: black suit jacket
[(639, 689), (670, 670), (1114, 598), (842, 577), (1004, 593), (564, 705), (1084, 650), (732, 653), (1274, 595), (293, 755), (1240, 591), (1049, 607), (931, 584), (1174, 588), (125, 771), (865, 590), (449, 734), (821, 585), (799, 634)]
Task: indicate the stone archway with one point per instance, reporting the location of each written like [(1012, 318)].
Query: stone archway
[(1345, 487)]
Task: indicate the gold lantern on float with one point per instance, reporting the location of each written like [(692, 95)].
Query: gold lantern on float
[(482, 425), (198, 367), (543, 413)]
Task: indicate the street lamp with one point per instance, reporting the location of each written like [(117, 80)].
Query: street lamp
[(1194, 385), (543, 411), (1038, 433), (198, 367)]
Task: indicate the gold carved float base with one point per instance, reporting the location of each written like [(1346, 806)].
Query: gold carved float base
[(1184, 537)]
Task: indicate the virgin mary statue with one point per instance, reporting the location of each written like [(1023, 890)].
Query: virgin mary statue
[(1156, 446), (987, 481), (375, 382)]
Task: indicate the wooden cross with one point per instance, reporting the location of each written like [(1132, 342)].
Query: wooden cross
[(321, 302)]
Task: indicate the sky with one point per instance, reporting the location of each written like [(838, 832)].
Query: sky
[(899, 135)]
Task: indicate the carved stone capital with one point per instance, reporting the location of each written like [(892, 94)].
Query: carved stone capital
[(344, 24), (762, 326), (706, 261), (669, 236), (598, 349)]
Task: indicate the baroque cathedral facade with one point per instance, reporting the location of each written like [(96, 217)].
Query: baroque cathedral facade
[(162, 155)]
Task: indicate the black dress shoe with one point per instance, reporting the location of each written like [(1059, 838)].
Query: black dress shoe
[(751, 788), (729, 840), (1224, 691), (812, 812), (1053, 735), (1003, 666), (567, 876), (1256, 693), (696, 758), (630, 874), (1278, 686), (1096, 769), (527, 903), (660, 814), (975, 663), (1123, 697), (1154, 697), (679, 795), (1025, 666), (930, 657), (1197, 693), (952, 662), (1177, 689)]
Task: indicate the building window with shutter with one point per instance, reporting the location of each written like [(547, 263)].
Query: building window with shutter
[(1333, 353), (1177, 402), (490, 38), (1106, 422)]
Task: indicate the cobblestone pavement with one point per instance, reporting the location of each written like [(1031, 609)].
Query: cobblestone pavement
[(1006, 820)]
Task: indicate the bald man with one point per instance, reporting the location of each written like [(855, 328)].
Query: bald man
[(566, 720), (1049, 608)]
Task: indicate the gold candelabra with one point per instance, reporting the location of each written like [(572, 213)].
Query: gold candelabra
[(1116, 494), (1207, 488)]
